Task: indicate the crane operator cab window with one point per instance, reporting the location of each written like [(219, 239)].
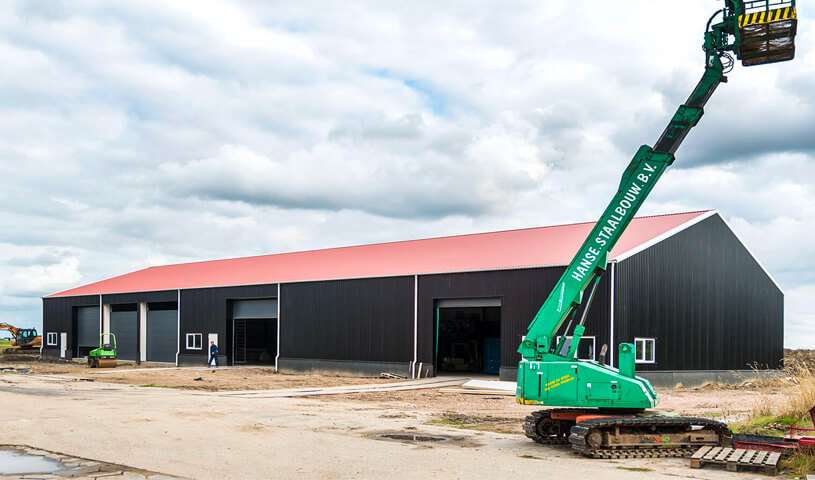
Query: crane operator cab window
[(585, 351)]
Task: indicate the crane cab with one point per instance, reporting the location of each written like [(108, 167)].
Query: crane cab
[(766, 31)]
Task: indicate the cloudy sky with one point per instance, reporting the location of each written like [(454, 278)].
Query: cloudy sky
[(145, 133)]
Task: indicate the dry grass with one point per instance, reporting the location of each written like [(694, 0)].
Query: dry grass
[(762, 408), (800, 357), (797, 380), (799, 465), (800, 403), (767, 418)]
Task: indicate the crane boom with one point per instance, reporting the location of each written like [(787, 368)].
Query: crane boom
[(548, 373), (637, 182)]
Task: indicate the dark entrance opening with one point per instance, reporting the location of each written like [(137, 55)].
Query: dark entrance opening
[(253, 331), (468, 336), (255, 341)]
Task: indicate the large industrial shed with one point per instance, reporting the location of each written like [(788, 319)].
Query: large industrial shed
[(682, 287)]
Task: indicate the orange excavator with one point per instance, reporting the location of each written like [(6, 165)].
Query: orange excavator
[(24, 338)]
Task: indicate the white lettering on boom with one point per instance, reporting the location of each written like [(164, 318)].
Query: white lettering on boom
[(606, 235)]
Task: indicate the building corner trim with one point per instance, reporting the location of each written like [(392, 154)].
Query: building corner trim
[(277, 355), (415, 326), (178, 327)]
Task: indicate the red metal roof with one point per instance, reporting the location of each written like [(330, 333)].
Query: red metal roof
[(531, 247)]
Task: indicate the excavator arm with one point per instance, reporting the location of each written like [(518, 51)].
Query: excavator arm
[(10, 328)]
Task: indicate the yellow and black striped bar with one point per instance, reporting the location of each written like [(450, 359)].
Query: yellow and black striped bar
[(787, 13)]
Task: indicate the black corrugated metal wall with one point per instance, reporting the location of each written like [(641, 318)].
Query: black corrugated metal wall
[(699, 293), (58, 315), (362, 320), (704, 298), (207, 310), (522, 293)]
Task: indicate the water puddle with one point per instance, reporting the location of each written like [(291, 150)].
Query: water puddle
[(412, 437), (15, 462)]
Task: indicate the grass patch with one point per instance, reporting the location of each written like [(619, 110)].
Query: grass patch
[(452, 423), (799, 465), (486, 423), (770, 425), (775, 418), (635, 469)]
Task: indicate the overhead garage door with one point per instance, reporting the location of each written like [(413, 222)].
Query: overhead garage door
[(162, 335), (260, 308), (87, 326), (124, 324)]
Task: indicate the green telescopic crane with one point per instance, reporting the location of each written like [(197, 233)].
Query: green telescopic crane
[(605, 404)]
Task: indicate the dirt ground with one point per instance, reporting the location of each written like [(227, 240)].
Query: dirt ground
[(491, 413), (196, 427), (215, 434), (501, 413), (199, 378)]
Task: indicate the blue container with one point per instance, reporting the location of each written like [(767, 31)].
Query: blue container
[(492, 355)]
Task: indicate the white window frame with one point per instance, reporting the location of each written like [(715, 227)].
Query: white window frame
[(644, 342), (193, 336), (48, 339), (582, 339)]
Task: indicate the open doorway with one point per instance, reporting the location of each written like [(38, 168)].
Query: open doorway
[(254, 331), (468, 336), (255, 341)]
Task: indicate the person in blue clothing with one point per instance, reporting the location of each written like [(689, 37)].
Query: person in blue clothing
[(213, 354)]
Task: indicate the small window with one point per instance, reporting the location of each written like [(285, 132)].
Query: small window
[(51, 338), (585, 351), (194, 341), (645, 350)]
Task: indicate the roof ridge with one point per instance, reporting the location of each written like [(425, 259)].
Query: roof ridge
[(287, 260), (462, 235)]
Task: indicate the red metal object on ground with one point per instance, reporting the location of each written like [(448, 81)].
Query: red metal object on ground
[(808, 442), (804, 440), (787, 448)]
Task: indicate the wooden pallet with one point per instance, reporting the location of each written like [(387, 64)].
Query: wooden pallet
[(735, 459)]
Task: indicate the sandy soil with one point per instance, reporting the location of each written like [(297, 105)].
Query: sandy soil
[(199, 378), (502, 414), (213, 435), (477, 412)]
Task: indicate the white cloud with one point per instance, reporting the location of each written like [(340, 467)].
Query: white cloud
[(157, 132)]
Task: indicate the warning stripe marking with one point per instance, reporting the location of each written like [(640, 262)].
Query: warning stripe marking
[(787, 13)]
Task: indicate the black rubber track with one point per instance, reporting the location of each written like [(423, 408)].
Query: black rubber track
[(531, 427), (582, 430)]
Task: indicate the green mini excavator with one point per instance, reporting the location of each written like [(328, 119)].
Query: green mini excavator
[(606, 408)]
